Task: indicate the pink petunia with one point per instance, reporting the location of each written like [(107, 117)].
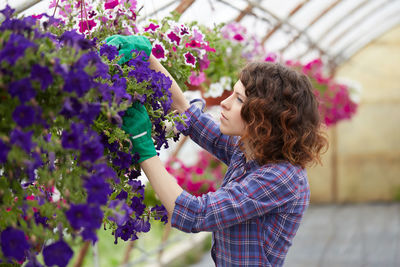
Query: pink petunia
[(271, 57), (197, 79), (238, 37), (86, 25), (159, 51), (197, 34), (173, 37), (193, 44), (208, 48), (110, 4), (152, 27), (204, 63), (190, 59)]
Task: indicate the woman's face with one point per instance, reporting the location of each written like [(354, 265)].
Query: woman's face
[(231, 121)]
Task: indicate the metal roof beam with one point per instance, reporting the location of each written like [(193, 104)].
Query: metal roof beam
[(335, 25), (357, 43), (317, 18), (183, 6), (358, 22), (281, 22)]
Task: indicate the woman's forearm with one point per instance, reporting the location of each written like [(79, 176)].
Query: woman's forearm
[(164, 184), (179, 102)]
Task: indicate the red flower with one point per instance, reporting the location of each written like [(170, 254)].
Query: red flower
[(193, 44), (110, 4)]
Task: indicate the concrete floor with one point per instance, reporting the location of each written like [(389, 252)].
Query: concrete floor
[(357, 235)]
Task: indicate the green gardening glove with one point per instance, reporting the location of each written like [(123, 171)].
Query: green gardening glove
[(137, 124), (125, 45)]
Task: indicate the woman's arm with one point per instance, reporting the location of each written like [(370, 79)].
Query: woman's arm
[(164, 184), (179, 102)]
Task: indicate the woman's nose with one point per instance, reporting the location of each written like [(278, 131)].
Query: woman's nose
[(224, 103)]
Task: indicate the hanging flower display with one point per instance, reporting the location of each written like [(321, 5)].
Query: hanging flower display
[(65, 162)]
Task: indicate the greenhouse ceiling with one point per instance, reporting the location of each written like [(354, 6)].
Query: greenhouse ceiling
[(332, 29)]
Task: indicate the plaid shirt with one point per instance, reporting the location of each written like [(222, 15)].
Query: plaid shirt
[(255, 213)]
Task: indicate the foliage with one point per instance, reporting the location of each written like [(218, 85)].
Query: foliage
[(66, 166)]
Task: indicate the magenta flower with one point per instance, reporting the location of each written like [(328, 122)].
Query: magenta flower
[(184, 30), (238, 37), (159, 51), (208, 48), (110, 4), (152, 27), (190, 59), (197, 79), (174, 38), (271, 57), (85, 25), (193, 44)]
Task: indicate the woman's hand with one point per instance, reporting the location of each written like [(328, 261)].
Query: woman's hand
[(126, 44), (137, 124)]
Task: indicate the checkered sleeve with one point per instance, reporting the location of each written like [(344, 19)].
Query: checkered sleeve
[(257, 194)]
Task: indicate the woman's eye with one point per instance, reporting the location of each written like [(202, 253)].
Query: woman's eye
[(239, 99)]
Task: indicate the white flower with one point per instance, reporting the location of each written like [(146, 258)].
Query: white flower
[(226, 82), (215, 90)]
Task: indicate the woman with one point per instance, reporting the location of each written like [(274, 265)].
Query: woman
[(269, 131)]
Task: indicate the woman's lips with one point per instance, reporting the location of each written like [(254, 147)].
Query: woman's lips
[(223, 116)]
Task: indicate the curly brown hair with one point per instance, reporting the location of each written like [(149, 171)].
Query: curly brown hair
[(281, 115)]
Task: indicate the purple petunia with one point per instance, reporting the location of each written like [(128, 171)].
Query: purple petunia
[(137, 206), (13, 243), (77, 81), (90, 112), (161, 213), (58, 253), (97, 190), (43, 75), (126, 231), (15, 48), (22, 139), (84, 215), (104, 171), (93, 59), (142, 226), (22, 89), (119, 88), (137, 187), (4, 149), (24, 116), (122, 195), (121, 212), (91, 149), (7, 11), (70, 38), (32, 164), (109, 50), (72, 139), (123, 160), (72, 107)]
